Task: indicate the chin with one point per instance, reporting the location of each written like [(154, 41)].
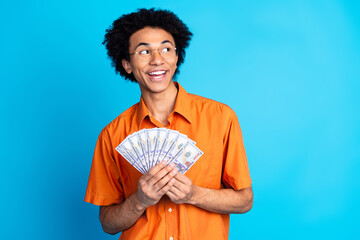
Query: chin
[(159, 89), (159, 86)]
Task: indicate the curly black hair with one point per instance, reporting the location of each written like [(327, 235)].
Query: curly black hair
[(117, 36)]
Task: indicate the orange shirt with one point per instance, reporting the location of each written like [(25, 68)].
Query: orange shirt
[(215, 129)]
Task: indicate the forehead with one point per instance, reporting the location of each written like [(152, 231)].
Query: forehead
[(151, 36)]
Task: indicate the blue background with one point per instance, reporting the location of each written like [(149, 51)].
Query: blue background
[(289, 69)]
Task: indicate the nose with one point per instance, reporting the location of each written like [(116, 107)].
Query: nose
[(156, 58)]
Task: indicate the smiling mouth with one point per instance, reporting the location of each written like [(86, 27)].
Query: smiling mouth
[(157, 75)]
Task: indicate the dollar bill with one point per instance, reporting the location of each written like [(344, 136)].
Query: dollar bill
[(170, 137), (131, 154), (160, 143), (135, 145), (147, 147), (175, 146), (129, 157), (141, 142), (186, 157), (155, 138)]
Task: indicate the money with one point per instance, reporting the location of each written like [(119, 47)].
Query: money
[(187, 157), (127, 150), (146, 148)]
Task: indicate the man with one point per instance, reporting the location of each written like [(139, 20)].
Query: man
[(148, 46)]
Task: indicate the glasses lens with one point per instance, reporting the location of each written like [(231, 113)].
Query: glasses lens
[(144, 54), (167, 52)]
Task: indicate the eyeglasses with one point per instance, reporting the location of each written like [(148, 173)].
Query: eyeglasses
[(144, 53)]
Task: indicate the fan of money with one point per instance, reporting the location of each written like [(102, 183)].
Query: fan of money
[(148, 147)]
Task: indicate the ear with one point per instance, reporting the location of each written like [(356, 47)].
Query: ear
[(176, 61), (126, 65)]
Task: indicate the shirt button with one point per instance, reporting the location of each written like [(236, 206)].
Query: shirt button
[(170, 210), (171, 238)]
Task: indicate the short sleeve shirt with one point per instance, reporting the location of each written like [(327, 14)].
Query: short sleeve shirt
[(215, 129)]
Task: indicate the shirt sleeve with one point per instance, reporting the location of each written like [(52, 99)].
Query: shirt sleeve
[(236, 170), (104, 185)]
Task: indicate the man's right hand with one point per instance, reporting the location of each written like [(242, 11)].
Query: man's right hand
[(155, 183), (151, 187)]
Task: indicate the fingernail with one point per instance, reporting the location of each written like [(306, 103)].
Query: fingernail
[(174, 171), (163, 162), (172, 165)]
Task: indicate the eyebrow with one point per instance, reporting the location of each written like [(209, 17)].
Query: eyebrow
[(148, 44)]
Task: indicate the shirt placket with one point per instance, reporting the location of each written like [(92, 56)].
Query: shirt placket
[(171, 220)]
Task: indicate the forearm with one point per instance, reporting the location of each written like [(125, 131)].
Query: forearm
[(223, 201), (151, 187), (119, 217)]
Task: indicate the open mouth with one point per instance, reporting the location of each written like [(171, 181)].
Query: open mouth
[(157, 75)]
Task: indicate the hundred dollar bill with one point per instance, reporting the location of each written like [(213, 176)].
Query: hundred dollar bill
[(161, 136), (127, 150), (140, 140), (135, 146), (129, 157), (153, 140), (149, 145), (167, 144), (186, 157), (176, 145)]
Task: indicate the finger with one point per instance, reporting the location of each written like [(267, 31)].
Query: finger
[(178, 185), (161, 174), (152, 172), (182, 178), (171, 195), (165, 180), (175, 191), (167, 186), (182, 182)]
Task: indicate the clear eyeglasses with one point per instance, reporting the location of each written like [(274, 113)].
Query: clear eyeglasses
[(144, 53)]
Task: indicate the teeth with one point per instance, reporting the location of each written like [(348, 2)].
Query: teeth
[(157, 73)]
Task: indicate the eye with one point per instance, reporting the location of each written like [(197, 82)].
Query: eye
[(144, 52), (166, 49)]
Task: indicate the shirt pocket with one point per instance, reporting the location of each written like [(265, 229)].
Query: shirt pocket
[(207, 170)]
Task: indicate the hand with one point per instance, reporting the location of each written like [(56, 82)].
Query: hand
[(155, 183), (182, 190)]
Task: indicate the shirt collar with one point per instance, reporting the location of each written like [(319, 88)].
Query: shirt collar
[(182, 106), (183, 103)]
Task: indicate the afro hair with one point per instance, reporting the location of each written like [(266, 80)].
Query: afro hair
[(117, 36)]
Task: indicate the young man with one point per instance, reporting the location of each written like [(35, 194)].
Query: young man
[(148, 46)]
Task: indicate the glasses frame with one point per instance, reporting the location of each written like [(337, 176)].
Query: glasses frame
[(152, 53)]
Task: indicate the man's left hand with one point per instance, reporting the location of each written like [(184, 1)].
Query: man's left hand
[(182, 189)]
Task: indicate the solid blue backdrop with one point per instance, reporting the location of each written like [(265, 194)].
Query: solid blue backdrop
[(289, 69)]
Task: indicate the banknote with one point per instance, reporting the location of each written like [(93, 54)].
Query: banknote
[(165, 135), (149, 144), (186, 157), (127, 150), (157, 138), (170, 139), (138, 145), (140, 140), (147, 147), (175, 146)]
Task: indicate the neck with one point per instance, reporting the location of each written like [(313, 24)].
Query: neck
[(160, 105)]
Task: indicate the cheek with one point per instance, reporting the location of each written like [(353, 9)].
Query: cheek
[(174, 65), (136, 68)]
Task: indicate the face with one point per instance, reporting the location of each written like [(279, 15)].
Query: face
[(154, 75)]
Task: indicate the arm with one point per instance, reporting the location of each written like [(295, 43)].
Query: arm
[(151, 187), (222, 201), (119, 217)]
